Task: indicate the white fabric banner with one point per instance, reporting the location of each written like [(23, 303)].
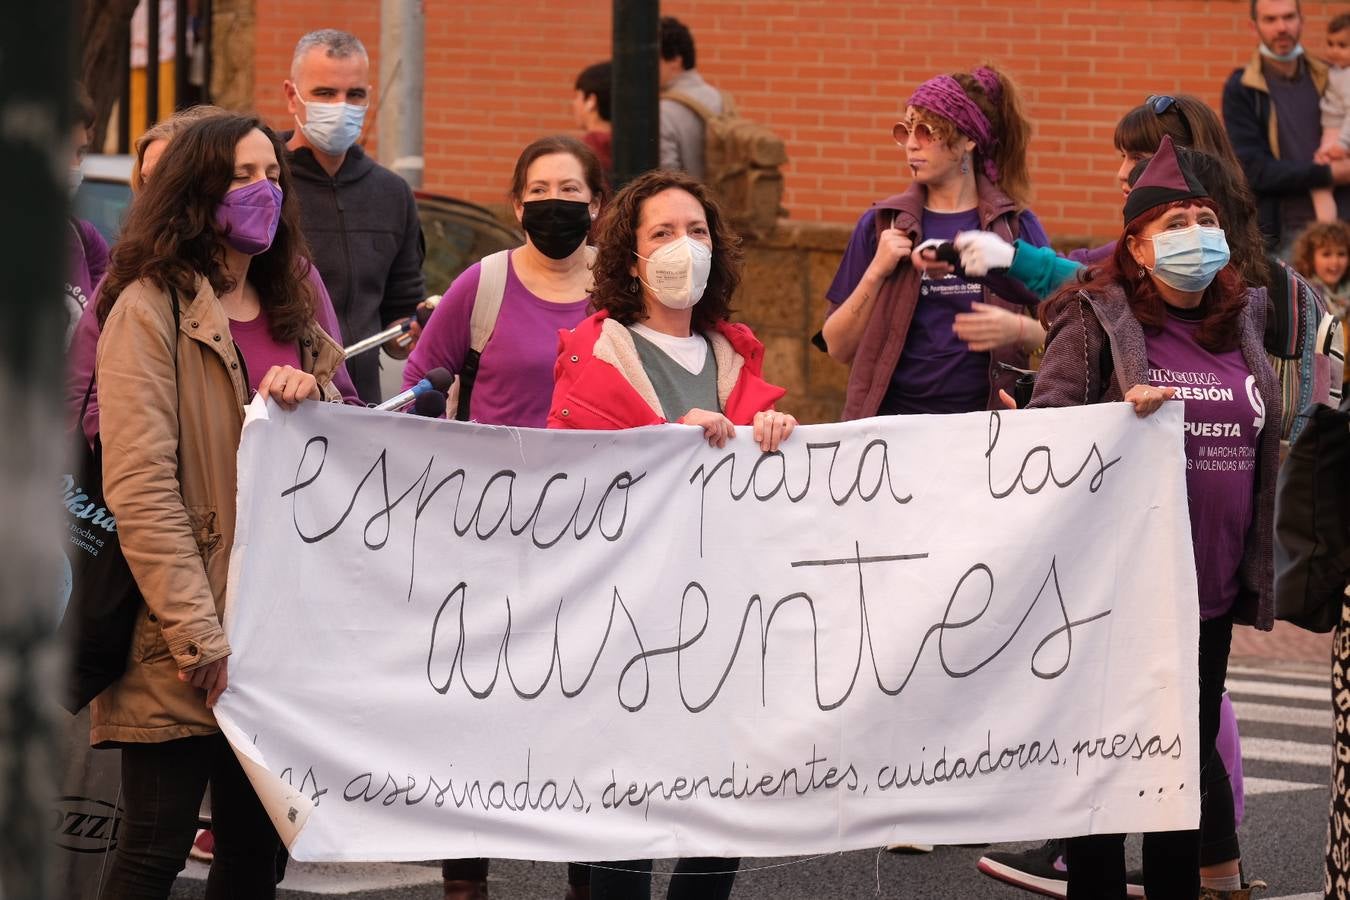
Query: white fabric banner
[(454, 640)]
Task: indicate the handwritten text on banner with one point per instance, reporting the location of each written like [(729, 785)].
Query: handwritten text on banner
[(457, 641)]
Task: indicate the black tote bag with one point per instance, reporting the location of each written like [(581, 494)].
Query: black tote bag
[(1312, 522), (103, 599)]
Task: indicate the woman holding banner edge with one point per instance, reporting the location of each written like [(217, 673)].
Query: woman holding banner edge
[(660, 349), (1166, 301), (204, 303)]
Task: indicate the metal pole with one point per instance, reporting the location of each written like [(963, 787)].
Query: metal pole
[(151, 62), (181, 63), (635, 93), (124, 104), (36, 72), (402, 44)]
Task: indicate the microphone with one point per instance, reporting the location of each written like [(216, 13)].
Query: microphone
[(431, 405), (438, 379), (378, 338), (398, 329)]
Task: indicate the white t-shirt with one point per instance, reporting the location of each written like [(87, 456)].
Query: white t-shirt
[(690, 352)]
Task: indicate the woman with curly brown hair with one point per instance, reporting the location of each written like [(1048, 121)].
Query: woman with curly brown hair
[(659, 347), (206, 302)]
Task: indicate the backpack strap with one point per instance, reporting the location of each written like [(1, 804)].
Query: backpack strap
[(487, 302), (685, 100), (487, 306)]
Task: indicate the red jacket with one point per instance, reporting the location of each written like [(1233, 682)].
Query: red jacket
[(599, 382)]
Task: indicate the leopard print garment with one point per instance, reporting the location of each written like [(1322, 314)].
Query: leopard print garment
[(1336, 884)]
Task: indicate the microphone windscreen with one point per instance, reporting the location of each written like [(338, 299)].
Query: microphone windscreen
[(430, 404), (440, 379)]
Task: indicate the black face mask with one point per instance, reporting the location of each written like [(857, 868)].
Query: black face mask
[(556, 227)]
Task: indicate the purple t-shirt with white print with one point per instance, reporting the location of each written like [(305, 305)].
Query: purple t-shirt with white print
[(1224, 418)]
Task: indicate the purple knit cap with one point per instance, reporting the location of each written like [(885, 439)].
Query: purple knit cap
[(944, 96)]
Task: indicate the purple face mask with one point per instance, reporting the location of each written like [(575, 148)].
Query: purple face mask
[(249, 216)]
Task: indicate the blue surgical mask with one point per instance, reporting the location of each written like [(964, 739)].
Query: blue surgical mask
[(1281, 57), (1187, 259), (332, 127)]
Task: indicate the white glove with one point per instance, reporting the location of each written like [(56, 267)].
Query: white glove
[(983, 251)]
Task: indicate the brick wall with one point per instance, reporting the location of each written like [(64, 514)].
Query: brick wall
[(828, 76)]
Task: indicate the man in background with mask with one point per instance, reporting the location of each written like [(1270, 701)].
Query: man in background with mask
[(1271, 112), (359, 217)]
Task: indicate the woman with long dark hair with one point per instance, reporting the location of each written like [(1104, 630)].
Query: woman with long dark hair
[(205, 303)]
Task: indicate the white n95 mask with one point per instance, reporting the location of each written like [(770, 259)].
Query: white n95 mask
[(678, 272)]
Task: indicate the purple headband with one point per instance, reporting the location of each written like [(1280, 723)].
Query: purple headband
[(944, 96)]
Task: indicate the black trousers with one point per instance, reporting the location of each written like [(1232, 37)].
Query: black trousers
[(695, 878), (476, 869), (162, 789), (1171, 858)]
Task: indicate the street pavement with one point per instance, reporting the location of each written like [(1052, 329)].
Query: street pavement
[(1280, 687)]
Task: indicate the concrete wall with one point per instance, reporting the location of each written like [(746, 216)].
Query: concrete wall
[(782, 297)]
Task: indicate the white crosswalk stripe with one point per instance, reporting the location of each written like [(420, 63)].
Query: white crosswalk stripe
[(1322, 678), (1301, 716), (1276, 689), (1252, 787)]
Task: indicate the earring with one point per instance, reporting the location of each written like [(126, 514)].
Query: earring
[(1142, 273), (632, 284), (965, 164)]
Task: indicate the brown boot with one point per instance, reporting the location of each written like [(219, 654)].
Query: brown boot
[(458, 889), (1246, 892)]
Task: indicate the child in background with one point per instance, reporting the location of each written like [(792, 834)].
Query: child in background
[(1335, 111), (1321, 254)]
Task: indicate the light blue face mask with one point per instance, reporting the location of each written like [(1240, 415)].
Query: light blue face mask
[(1187, 259), (332, 127), (1281, 57)]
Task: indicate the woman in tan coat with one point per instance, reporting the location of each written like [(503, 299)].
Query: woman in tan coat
[(206, 302)]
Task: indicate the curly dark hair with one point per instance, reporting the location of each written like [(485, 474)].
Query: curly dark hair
[(171, 239), (617, 241), (1222, 303)]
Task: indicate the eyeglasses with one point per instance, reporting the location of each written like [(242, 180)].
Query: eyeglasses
[(1161, 103), (923, 134)]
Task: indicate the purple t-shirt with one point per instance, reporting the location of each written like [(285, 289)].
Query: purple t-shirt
[(514, 385), (260, 350), (87, 253), (1224, 418), (937, 372)]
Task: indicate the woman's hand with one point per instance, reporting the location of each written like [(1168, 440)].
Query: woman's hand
[(1006, 399), (717, 428), (982, 251), (772, 428), (288, 386), (1148, 399), (893, 245), (212, 678), (990, 327)]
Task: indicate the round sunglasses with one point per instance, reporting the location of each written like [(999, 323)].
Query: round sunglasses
[(923, 135)]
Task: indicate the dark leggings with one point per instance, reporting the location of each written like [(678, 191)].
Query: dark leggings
[(693, 879), (1171, 858), (476, 869), (162, 789)]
